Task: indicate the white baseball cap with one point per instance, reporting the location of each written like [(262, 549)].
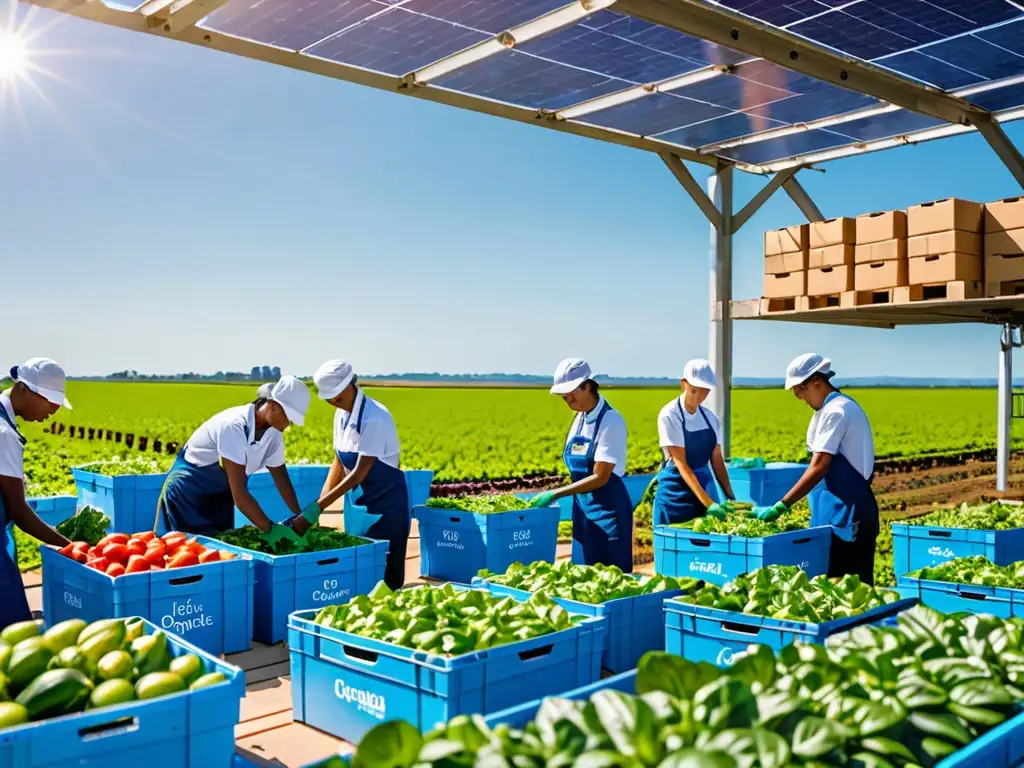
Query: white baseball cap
[(332, 378), (802, 368), (44, 377), (698, 373), (569, 374), (292, 395)]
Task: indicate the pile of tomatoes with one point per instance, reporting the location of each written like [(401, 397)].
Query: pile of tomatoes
[(119, 553)]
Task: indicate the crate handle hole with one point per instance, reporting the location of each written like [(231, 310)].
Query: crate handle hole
[(804, 540), (701, 542), (940, 534), (328, 561), (454, 519), (536, 653), (973, 596), (740, 629), (360, 654), (186, 580), (111, 728)]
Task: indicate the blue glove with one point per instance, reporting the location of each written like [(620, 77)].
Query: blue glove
[(771, 513), (542, 499), (311, 512), (717, 511)]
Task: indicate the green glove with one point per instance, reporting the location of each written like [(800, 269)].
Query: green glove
[(311, 512), (771, 513), (717, 511), (542, 499), (280, 532)]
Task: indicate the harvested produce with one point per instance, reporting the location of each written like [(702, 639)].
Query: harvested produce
[(786, 592), (486, 504), (444, 620), (584, 583), (974, 570), (116, 466), (904, 696), (104, 663), (317, 540), (742, 522), (88, 524), (118, 554), (981, 517), (737, 462)]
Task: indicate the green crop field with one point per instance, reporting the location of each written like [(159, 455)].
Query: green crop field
[(479, 434)]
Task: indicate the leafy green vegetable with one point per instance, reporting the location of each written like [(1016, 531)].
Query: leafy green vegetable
[(994, 516), (742, 522), (974, 570), (317, 540), (487, 504), (584, 583), (116, 466), (88, 524)]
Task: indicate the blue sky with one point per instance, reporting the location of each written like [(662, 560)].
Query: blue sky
[(181, 209)]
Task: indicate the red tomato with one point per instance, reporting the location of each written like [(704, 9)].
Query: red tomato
[(115, 570), (196, 548), (136, 547), (113, 538), (157, 566), (137, 564), (80, 546), (209, 556), (93, 552), (116, 553), (79, 556), (145, 536), (67, 549), (183, 559), (174, 538), (226, 555), (99, 563), (155, 557)]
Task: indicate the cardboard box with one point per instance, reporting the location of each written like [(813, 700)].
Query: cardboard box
[(782, 263), (785, 285), (833, 232), (944, 268), (880, 275), (829, 280), (950, 241), (1003, 215), (830, 256), (938, 216), (788, 240), (1004, 243), (887, 250), (885, 225)]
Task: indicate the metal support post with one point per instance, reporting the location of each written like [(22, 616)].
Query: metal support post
[(1007, 342), (1003, 147), (720, 189)]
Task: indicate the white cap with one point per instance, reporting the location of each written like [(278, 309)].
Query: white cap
[(44, 377), (292, 395), (803, 367), (698, 373), (569, 374), (332, 378)]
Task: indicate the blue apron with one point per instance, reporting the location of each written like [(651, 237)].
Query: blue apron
[(383, 495), (13, 603), (602, 520), (847, 503), (674, 502)]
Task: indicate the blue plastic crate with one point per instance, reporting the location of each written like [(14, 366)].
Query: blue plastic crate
[(192, 729), (209, 605), (288, 583), (307, 479), (765, 485), (719, 558), (947, 597), (698, 633), (344, 684), (455, 545), (52, 510), (636, 625), (921, 546), (417, 481), (128, 500)]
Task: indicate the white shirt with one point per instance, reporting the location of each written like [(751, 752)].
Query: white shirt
[(670, 424), (377, 436), (12, 452), (842, 427), (224, 436), (611, 439)]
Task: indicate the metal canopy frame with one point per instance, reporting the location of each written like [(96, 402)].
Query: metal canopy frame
[(707, 20)]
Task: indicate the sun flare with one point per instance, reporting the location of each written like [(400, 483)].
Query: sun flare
[(13, 56)]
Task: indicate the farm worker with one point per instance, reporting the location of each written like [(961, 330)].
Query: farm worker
[(210, 476), (365, 466), (595, 455), (37, 394), (843, 454), (691, 443)]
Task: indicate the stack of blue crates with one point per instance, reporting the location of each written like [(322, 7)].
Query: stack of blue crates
[(923, 546), (128, 500)]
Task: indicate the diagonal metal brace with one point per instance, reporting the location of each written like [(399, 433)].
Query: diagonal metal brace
[(1001, 144), (685, 178), (761, 198), (803, 201)]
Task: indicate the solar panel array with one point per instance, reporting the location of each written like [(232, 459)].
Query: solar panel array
[(947, 44)]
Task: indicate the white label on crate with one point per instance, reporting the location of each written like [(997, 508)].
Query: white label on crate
[(330, 591), (725, 657), (702, 567), (371, 703), (450, 540), (185, 617), (940, 552), (521, 539), (73, 600), (804, 565)]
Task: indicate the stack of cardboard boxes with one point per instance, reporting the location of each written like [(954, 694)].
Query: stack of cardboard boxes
[(945, 248), (830, 261), (785, 265), (1004, 247), (880, 255)]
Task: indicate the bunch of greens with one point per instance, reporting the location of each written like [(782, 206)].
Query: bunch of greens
[(737, 462), (584, 583), (785, 592), (974, 570), (982, 517), (88, 524), (445, 620), (900, 697), (317, 540), (741, 522), (117, 466), (486, 504)]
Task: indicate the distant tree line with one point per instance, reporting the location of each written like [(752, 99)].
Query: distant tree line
[(258, 373)]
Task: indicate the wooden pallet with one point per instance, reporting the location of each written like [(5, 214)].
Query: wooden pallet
[(958, 290), (778, 305), (830, 301)]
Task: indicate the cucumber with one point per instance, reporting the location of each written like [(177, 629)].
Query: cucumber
[(3, 688), (97, 626), (211, 678), (63, 635), (29, 659), (188, 667), (99, 644), (22, 630), (134, 628), (114, 665), (12, 714), (157, 684), (111, 692), (5, 656), (73, 658), (149, 652), (55, 693)]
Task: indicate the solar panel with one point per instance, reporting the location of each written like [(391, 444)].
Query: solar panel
[(1008, 36), (827, 102), (733, 93), (975, 55), (291, 24), (654, 114), (929, 70), (786, 146), (1000, 98), (662, 39), (886, 125), (778, 13), (720, 129), (493, 16)]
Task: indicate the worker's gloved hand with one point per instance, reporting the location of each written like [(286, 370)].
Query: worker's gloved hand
[(717, 511), (311, 512), (278, 533), (771, 513), (542, 499), (729, 506)]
